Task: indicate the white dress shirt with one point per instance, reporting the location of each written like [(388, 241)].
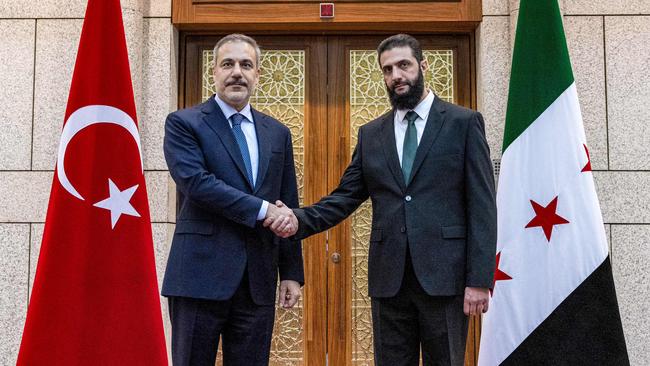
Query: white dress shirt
[(422, 110), (248, 127)]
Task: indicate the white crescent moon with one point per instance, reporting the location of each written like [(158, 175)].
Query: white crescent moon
[(88, 116)]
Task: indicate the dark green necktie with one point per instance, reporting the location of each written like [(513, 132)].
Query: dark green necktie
[(410, 145)]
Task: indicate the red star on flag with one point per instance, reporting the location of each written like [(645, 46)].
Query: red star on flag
[(546, 218), (498, 274), (587, 167)]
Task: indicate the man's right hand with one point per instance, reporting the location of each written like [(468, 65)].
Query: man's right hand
[(281, 220)]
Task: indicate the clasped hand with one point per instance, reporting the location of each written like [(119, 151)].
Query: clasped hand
[(281, 220)]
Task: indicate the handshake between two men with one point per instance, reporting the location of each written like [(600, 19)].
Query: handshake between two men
[(281, 220), (432, 242)]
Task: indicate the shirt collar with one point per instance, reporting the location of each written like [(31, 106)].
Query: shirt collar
[(228, 110), (422, 109)]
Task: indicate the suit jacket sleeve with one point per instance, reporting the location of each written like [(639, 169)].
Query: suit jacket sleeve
[(339, 204), (290, 261), (188, 169), (481, 207)]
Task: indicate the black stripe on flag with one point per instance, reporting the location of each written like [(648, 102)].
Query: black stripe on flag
[(585, 329)]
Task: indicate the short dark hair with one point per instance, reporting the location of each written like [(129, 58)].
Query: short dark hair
[(236, 37), (401, 40)]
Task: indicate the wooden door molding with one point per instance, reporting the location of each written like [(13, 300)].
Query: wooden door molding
[(350, 16), (327, 316)]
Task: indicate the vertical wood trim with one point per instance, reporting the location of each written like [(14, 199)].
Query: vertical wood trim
[(315, 255), (472, 71), (339, 341), (182, 71)]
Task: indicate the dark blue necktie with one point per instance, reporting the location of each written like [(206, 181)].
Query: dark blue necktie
[(237, 119)]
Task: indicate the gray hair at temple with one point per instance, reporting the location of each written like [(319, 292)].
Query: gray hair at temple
[(236, 37), (401, 40)]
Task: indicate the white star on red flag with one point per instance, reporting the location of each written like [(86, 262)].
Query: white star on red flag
[(118, 202)]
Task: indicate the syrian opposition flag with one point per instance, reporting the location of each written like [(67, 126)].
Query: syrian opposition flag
[(95, 297), (553, 301)]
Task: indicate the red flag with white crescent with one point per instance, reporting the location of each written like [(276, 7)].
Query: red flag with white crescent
[(95, 297)]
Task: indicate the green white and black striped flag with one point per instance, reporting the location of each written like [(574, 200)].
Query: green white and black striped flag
[(553, 301)]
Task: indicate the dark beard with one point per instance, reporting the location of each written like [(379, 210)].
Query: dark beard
[(411, 98)]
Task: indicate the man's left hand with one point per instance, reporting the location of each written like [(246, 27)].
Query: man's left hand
[(289, 293), (477, 300)]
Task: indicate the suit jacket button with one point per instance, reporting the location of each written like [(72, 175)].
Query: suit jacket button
[(402, 229), (408, 198)]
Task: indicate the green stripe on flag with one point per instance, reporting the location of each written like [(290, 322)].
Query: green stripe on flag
[(541, 69)]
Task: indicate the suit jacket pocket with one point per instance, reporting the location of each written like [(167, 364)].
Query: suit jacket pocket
[(454, 232), (194, 227)]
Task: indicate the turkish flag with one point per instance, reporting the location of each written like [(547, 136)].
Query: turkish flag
[(95, 298)]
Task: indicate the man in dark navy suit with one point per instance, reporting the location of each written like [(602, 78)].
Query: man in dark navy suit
[(229, 161), (426, 167)]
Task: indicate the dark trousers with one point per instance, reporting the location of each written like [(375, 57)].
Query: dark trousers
[(245, 327), (412, 319)]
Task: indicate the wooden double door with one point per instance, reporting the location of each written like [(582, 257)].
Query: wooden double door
[(324, 88)]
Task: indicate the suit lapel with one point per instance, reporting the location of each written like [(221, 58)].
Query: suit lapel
[(216, 120), (431, 129), (264, 146), (390, 150)]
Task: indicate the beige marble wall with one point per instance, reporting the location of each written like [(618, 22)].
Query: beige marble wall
[(627, 40), (493, 75), (611, 61), (606, 7), (56, 51), (17, 60), (584, 36), (158, 89), (495, 7), (14, 269), (77, 8), (631, 266), (37, 54)]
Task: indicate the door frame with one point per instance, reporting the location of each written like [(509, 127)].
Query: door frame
[(323, 330)]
